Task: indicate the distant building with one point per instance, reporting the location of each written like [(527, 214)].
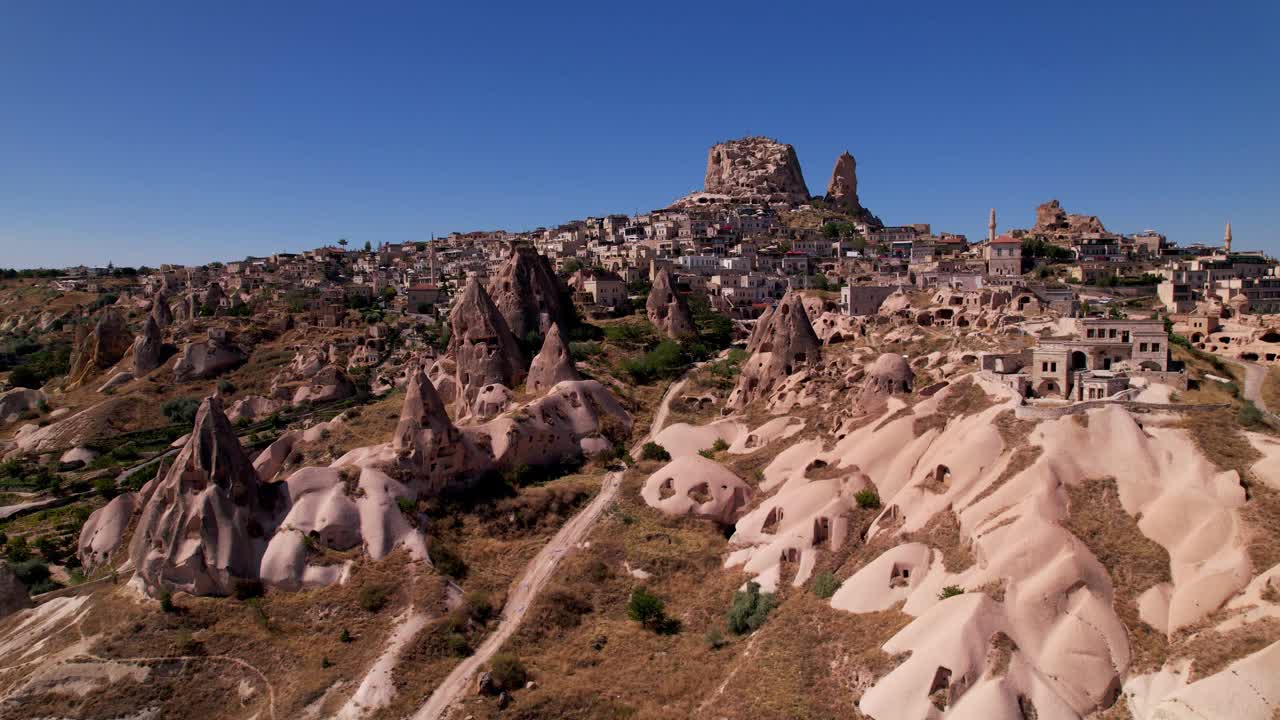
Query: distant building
[(1004, 256)]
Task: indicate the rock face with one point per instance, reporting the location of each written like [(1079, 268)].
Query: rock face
[(160, 311), (842, 191), (528, 293), (552, 365), (105, 528), (782, 343), (888, 375), (17, 401), (13, 594), (207, 522), (330, 383), (425, 440), (1052, 219), (146, 348), (756, 168), (667, 310), (482, 347), (100, 348), (207, 359)]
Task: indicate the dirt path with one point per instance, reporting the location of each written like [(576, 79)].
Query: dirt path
[(536, 575), (1254, 376), (531, 582)]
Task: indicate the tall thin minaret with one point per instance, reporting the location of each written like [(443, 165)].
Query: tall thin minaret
[(991, 227), (1226, 241)]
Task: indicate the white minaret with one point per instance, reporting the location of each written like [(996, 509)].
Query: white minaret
[(991, 227), (1226, 241)]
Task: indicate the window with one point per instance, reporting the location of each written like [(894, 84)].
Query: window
[(1090, 333), (1112, 334), (1155, 347), (1053, 367), (1142, 347)]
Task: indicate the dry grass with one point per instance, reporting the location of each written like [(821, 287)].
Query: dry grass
[(1213, 650), (1134, 561), (942, 532), (1271, 390)]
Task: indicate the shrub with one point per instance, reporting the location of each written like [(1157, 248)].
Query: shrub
[(825, 585), (653, 451), (181, 411), (750, 609), (508, 672), (1250, 416), (457, 645), (479, 606), (407, 506), (950, 591), (35, 575), (17, 550), (344, 636), (707, 453), (226, 387), (373, 598), (447, 561), (647, 609), (325, 663), (166, 601), (868, 499), (719, 445), (247, 588), (715, 639), (106, 487)]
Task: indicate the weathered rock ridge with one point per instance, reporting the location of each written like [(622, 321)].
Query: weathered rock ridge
[(756, 167)]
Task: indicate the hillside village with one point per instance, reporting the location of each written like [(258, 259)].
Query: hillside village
[(645, 466)]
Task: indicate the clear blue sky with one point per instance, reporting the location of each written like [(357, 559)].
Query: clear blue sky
[(143, 132)]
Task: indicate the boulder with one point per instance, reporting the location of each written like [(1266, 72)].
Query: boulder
[(889, 375), (426, 441), (105, 528), (146, 348), (1052, 219), (552, 365), (528, 293), (667, 309), (783, 342), (206, 359), (756, 168), (115, 381), (77, 457), (482, 347), (208, 520), (19, 400), (98, 349), (160, 311), (13, 594), (327, 385)]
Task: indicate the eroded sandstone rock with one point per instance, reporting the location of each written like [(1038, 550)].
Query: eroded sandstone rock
[(528, 293), (552, 365), (667, 310), (208, 520), (783, 342), (482, 346), (756, 167)]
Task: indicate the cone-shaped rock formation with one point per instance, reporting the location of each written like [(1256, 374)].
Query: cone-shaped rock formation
[(482, 346), (553, 364), (667, 310), (146, 348), (782, 342), (100, 348), (208, 520), (528, 293)]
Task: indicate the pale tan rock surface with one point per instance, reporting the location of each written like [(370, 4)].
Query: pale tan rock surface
[(756, 167), (528, 293), (667, 310), (783, 342), (552, 365)]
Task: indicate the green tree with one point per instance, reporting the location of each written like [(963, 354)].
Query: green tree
[(749, 609), (647, 609)]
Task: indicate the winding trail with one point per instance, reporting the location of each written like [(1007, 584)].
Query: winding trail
[(1254, 376), (536, 575)]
